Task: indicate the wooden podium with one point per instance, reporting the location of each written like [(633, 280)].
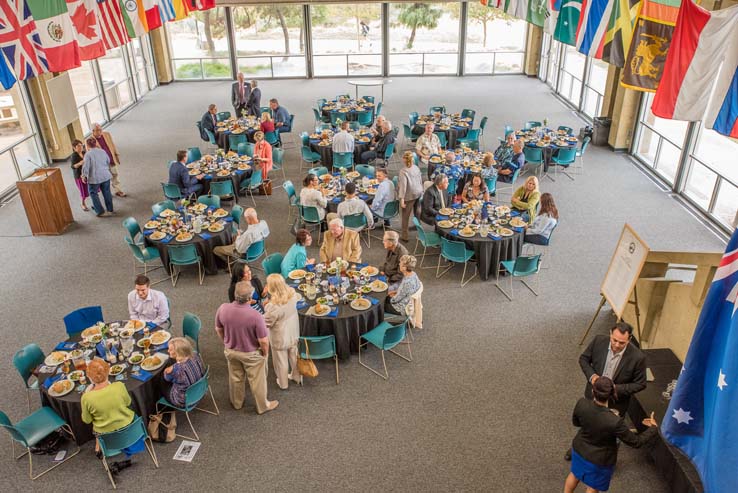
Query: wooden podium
[(46, 203)]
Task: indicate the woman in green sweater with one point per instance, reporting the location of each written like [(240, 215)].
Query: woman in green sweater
[(526, 198), (105, 406)]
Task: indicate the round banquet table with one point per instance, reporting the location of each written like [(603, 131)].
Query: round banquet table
[(452, 133), (143, 395), (333, 204), (548, 151), (488, 252), (204, 247), (326, 152), (221, 137), (369, 83), (236, 177)]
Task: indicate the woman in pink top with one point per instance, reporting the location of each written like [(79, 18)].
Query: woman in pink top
[(262, 154)]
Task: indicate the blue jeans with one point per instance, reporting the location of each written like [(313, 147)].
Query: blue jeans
[(536, 240), (283, 128), (103, 187)]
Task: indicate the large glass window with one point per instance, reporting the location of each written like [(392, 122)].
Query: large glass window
[(199, 45), (19, 150), (141, 59), (347, 39), (87, 95), (495, 41), (424, 38), (116, 81), (554, 63), (594, 87), (270, 40), (659, 142), (572, 74)]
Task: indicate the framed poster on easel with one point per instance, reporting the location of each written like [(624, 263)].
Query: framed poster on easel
[(622, 274)]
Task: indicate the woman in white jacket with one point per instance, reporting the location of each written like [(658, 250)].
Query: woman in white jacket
[(543, 225), (280, 314)]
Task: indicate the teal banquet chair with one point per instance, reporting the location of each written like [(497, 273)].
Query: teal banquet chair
[(534, 156), (171, 191), (343, 160), (568, 130), (222, 115), (25, 361), (184, 255), (442, 139), (33, 429), (365, 170), (436, 109), (235, 139), (455, 252), (318, 347), (318, 171), (272, 139), (114, 443), (520, 268), (428, 239), (564, 158), (145, 255), (272, 264), (193, 395), (191, 326), (467, 113), (309, 157), (532, 124), (310, 218), (358, 222), (385, 337), (134, 230), (193, 154), (160, 207), (471, 140), (81, 318), (278, 161), (364, 118), (253, 253), (492, 186), (580, 154), (252, 184), (391, 210), (209, 200), (292, 197), (223, 190), (245, 149)]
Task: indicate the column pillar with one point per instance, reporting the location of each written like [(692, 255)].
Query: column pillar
[(58, 141), (162, 55), (533, 43), (624, 117), (611, 87)]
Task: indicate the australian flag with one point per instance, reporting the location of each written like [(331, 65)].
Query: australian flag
[(702, 419)]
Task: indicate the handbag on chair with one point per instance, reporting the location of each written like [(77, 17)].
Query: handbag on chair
[(306, 367)]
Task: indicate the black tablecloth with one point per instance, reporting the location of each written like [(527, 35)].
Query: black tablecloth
[(223, 141), (488, 252), (452, 133), (673, 464), (143, 399), (350, 116), (347, 326), (204, 248), (326, 152), (333, 206)]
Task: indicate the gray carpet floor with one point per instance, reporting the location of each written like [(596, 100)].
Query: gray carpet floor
[(485, 405)]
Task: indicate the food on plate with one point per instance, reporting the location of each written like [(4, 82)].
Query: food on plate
[(352, 296), (516, 222), (62, 386), (90, 331), (365, 289), (141, 343), (135, 324), (127, 333), (183, 237), (378, 286), (297, 274), (244, 167), (160, 337), (224, 172), (467, 231), (215, 228), (220, 213), (361, 304), (321, 309), (95, 339), (56, 357), (151, 362), (76, 375), (167, 213), (302, 287), (502, 222), (369, 270), (352, 174), (193, 172), (322, 300), (116, 369), (506, 232), (77, 353), (445, 224), (151, 225), (502, 209), (446, 211), (136, 358), (158, 235)]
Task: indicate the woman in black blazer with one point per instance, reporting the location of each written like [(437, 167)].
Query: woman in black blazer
[(242, 272), (595, 448)]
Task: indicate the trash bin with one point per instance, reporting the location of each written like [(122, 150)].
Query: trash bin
[(111, 93), (601, 131)]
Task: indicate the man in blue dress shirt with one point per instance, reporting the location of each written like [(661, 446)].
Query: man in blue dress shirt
[(281, 116), (179, 175)]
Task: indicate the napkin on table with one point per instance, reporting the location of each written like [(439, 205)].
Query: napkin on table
[(455, 232), (373, 300), (333, 313), (167, 239), (518, 229), (50, 381), (382, 278), (147, 232), (142, 375), (363, 196), (302, 304), (205, 236), (336, 200), (439, 217), (494, 237), (65, 346), (151, 325)]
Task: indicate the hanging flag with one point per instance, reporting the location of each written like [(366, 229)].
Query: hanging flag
[(703, 56), (166, 10), (654, 27), (620, 31), (57, 33), (550, 25), (153, 16), (112, 26), (84, 20), (200, 4), (7, 77), (592, 27), (537, 12), (180, 9), (134, 16), (20, 40), (566, 25), (701, 416)]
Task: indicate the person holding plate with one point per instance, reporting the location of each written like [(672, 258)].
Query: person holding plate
[(179, 175), (146, 304), (186, 370), (262, 154), (398, 300), (434, 199)]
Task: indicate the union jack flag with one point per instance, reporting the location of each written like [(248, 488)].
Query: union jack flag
[(20, 41)]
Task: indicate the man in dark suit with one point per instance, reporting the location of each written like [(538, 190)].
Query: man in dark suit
[(240, 93), (254, 103), (208, 122), (179, 175), (434, 199), (616, 358)]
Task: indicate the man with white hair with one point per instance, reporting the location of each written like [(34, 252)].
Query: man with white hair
[(395, 251), (106, 143), (340, 242), (240, 92), (516, 162), (382, 142), (256, 231), (379, 124), (428, 144)]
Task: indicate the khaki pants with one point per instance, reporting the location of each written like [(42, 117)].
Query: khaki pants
[(226, 251), (114, 181), (252, 366), (284, 360), (405, 213)]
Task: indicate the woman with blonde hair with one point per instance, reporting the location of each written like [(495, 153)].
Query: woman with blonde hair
[(526, 198), (280, 315), (262, 154), (409, 191), (267, 125), (105, 405), (186, 370)]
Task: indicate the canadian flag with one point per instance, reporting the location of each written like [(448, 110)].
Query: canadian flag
[(86, 28)]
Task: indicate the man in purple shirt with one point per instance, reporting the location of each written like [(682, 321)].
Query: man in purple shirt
[(246, 339), (106, 143)]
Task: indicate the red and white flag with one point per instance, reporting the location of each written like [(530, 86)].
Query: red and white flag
[(57, 33), (200, 5), (82, 13), (700, 80), (153, 16), (112, 26), (20, 40)]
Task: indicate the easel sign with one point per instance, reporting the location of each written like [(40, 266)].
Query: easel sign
[(622, 274)]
